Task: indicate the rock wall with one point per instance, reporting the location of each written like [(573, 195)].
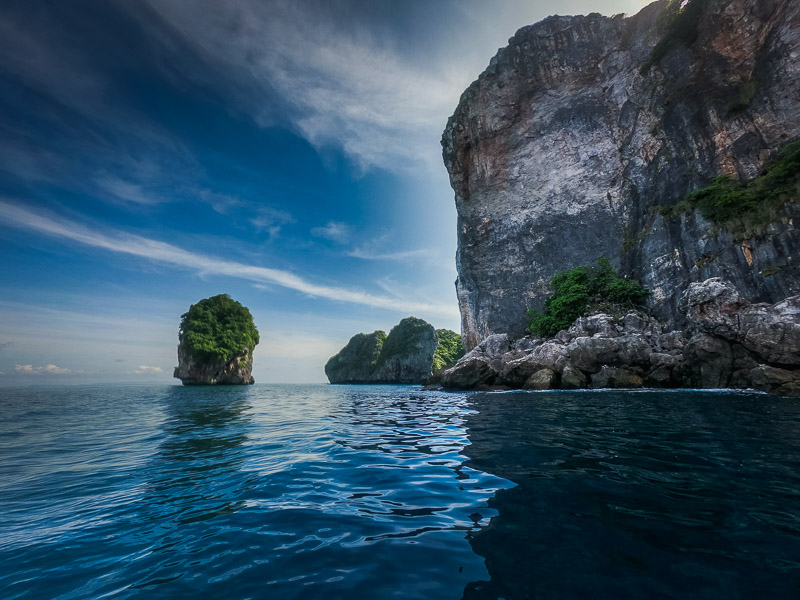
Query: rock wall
[(562, 148), (237, 370)]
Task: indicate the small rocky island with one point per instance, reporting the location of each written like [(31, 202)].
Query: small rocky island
[(411, 352), (216, 341)]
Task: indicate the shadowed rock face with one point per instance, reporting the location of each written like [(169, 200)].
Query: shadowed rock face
[(560, 150), (235, 371), (404, 356)]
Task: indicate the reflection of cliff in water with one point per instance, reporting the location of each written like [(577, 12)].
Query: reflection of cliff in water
[(203, 437), (638, 495), (208, 425)]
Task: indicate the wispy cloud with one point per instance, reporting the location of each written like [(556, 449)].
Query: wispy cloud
[(116, 241), (270, 220), (125, 190), (402, 255), (46, 65), (148, 370), (334, 231), (49, 369), (381, 94), (358, 91), (383, 248), (219, 203)]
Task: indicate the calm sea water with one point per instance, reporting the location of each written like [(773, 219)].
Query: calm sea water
[(392, 492)]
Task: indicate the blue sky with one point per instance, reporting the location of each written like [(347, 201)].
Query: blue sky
[(156, 152)]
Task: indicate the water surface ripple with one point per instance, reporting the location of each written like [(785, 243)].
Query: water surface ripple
[(251, 492), (393, 492)]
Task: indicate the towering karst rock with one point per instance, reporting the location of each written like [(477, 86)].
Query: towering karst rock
[(582, 127), (217, 337)]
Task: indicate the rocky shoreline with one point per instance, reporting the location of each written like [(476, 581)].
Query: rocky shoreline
[(730, 343)]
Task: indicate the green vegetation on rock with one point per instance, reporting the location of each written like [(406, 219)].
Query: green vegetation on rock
[(680, 26), (575, 290), (403, 339), (409, 354), (359, 355), (449, 350), (746, 208), (217, 328)]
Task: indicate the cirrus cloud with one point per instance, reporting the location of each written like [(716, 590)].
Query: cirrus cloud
[(116, 241)]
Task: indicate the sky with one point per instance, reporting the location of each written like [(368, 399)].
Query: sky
[(287, 153)]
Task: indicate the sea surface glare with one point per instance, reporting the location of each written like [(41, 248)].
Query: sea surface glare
[(371, 492)]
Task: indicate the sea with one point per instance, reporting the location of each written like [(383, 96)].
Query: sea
[(372, 492)]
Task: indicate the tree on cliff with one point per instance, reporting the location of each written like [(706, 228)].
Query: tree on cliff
[(449, 350), (575, 290), (217, 328)]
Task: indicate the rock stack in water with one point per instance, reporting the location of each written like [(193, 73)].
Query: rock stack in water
[(216, 341), (406, 355)]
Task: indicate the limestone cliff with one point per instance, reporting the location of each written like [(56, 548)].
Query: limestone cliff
[(404, 356), (563, 148), (237, 370), (356, 362)]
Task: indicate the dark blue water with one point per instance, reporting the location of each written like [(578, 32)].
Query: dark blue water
[(392, 492)]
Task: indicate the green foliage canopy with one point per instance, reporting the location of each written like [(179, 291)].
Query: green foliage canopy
[(218, 328), (449, 350), (403, 338), (575, 289)]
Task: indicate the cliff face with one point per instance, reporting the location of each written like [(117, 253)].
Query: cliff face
[(404, 356), (355, 363), (561, 150), (235, 371)]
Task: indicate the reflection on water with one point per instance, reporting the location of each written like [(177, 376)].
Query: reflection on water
[(202, 423), (275, 492), (342, 492), (638, 495)]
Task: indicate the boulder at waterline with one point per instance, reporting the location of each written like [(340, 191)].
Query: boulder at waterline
[(730, 343)]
